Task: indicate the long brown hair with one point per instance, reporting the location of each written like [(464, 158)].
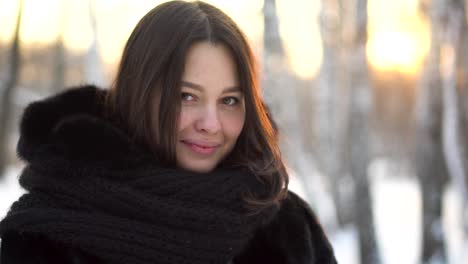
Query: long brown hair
[(151, 67)]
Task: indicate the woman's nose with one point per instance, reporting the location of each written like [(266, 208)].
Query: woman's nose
[(208, 121)]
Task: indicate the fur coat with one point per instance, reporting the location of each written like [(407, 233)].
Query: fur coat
[(292, 236)]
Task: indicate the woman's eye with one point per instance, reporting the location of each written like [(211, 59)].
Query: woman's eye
[(230, 101), (187, 97)]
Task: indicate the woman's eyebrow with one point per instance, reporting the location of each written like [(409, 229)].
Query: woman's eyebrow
[(234, 89), (200, 88), (192, 85)]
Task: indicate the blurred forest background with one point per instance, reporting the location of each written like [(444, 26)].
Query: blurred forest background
[(371, 97)]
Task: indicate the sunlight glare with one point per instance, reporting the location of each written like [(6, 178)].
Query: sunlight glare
[(301, 35), (40, 21), (401, 50), (8, 13), (77, 34), (399, 37)]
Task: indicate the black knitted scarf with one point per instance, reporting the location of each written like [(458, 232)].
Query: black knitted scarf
[(91, 188)]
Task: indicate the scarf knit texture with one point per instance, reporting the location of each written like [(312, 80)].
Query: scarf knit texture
[(89, 187)]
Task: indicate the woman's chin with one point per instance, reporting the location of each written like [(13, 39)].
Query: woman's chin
[(197, 167)]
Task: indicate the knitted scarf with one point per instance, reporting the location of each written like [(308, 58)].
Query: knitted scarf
[(89, 187)]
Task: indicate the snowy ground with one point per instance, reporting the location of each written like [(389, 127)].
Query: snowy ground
[(9, 189), (397, 212)]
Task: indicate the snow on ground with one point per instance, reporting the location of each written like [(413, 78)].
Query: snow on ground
[(344, 245), (10, 190), (296, 186), (397, 212), (452, 222)]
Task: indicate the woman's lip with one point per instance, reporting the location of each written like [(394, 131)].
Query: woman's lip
[(202, 145), (200, 149)]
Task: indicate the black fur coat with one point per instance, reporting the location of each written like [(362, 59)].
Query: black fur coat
[(294, 236)]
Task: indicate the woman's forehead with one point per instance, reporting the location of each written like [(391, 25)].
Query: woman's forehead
[(210, 65)]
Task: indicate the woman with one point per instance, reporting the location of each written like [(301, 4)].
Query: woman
[(177, 163)]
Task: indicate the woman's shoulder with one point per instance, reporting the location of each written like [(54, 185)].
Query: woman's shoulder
[(27, 248), (293, 236)]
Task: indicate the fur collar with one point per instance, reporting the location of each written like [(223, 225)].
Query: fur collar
[(71, 126)]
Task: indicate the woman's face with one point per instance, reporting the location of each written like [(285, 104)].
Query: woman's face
[(212, 111)]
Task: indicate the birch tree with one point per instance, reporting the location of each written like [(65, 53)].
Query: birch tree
[(430, 163), (360, 131), (94, 70), (343, 114), (331, 108), (456, 98), (455, 141), (6, 90), (58, 74), (280, 94)]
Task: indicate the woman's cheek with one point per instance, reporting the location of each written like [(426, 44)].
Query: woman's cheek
[(184, 118), (234, 122)]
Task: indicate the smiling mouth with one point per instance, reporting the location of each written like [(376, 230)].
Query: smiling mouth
[(200, 149)]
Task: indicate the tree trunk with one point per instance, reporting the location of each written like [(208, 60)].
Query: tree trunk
[(6, 91), (281, 95), (460, 96), (331, 107), (430, 164), (58, 78), (360, 134), (94, 70), (455, 142)]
